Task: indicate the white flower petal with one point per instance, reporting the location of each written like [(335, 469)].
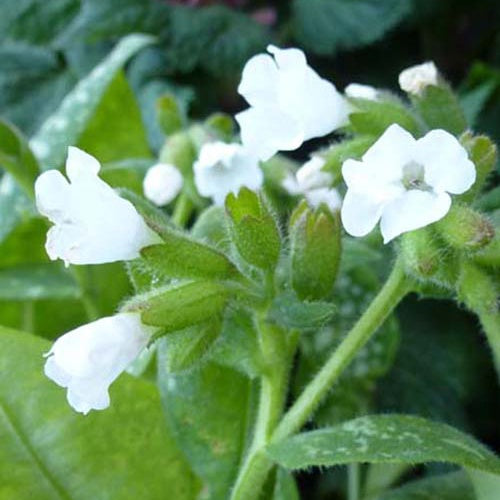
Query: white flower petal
[(269, 130), (80, 163), (413, 210), (360, 213), (359, 91), (446, 163), (288, 59), (259, 80), (394, 149), (93, 225), (224, 168), (88, 359), (162, 183), (310, 175), (51, 192)]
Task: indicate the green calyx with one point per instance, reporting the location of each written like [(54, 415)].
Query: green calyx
[(315, 251)]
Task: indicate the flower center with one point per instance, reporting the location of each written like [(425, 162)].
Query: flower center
[(413, 177)]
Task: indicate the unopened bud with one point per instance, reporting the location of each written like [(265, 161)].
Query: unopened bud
[(315, 251)]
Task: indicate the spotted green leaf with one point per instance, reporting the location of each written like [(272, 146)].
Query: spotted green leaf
[(384, 438)]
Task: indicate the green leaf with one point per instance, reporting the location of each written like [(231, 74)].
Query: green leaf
[(374, 117), (179, 306), (324, 26), (115, 131), (67, 124), (208, 410), (486, 486), (439, 108), (182, 257), (237, 346), (35, 282), (16, 157), (452, 486), (290, 312), (113, 451), (14, 205), (384, 438)]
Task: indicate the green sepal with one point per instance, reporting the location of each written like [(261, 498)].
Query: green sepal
[(169, 114), (421, 253), (315, 252), (483, 153), (374, 117), (180, 305), (16, 157), (464, 228), (439, 108), (254, 231), (182, 257)]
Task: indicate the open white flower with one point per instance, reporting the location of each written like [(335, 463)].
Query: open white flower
[(88, 359), (290, 103), (414, 79), (404, 182), (92, 224), (314, 184), (162, 183), (224, 168), (359, 91)]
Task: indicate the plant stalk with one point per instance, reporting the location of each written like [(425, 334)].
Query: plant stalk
[(254, 472)]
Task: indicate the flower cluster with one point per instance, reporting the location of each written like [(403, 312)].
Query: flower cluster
[(402, 181)]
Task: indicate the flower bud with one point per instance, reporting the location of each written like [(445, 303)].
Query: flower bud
[(315, 251), (420, 253), (433, 98), (483, 153), (465, 229), (169, 114), (180, 305), (162, 183), (416, 78), (253, 229)]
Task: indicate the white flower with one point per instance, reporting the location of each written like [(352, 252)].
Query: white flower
[(224, 168), (414, 79), (162, 183), (314, 184), (359, 91), (88, 359), (289, 102), (93, 224), (404, 182)]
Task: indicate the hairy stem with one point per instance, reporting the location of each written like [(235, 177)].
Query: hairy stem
[(258, 465), (182, 211)]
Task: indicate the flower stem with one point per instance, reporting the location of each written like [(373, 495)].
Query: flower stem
[(182, 211), (278, 353), (258, 464), (353, 481), (394, 289)]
